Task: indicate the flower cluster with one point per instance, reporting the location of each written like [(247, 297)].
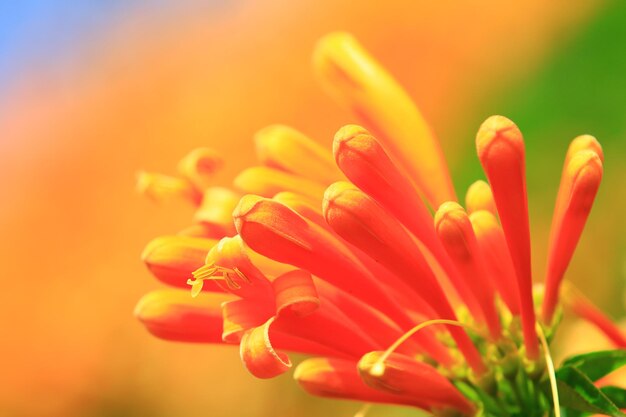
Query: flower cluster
[(339, 256)]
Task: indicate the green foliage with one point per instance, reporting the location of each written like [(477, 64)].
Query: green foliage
[(616, 394), (518, 395), (577, 392), (595, 365), (575, 381)]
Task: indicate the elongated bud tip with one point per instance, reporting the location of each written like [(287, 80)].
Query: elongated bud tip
[(403, 375), (200, 165), (585, 169), (173, 315), (340, 193), (158, 311), (338, 61), (145, 308), (337, 189), (498, 134), (483, 221), (164, 248), (265, 225), (371, 364), (480, 197), (272, 132), (271, 138), (449, 211), (348, 135), (585, 142), (172, 259), (452, 226), (315, 375), (154, 247), (159, 305), (159, 187), (261, 210), (329, 47), (308, 368), (365, 162), (246, 205), (334, 378)]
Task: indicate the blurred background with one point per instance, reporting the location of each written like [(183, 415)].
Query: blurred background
[(91, 92)]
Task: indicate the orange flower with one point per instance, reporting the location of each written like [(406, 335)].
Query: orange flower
[(356, 272)]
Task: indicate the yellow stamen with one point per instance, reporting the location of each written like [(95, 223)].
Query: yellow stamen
[(204, 271), (217, 273), (551, 373), (378, 369), (196, 287), (241, 275)]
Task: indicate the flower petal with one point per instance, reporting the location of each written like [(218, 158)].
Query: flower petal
[(230, 259), (354, 78), (200, 165), (174, 315), (305, 206), (480, 197), (580, 143), (408, 377), (500, 147), (579, 185), (311, 211), (583, 308), (259, 356), (328, 326), (268, 182), (216, 209), (360, 220), (205, 230), (269, 267), (382, 330), (367, 165), (339, 378), (456, 233), (241, 315), (286, 149), (295, 293), (159, 187), (278, 232), (173, 259), (498, 261)]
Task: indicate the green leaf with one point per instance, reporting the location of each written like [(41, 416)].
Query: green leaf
[(488, 405), (577, 392), (615, 394), (598, 364), (565, 412)]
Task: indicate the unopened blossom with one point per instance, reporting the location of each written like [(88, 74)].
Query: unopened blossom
[(337, 254)]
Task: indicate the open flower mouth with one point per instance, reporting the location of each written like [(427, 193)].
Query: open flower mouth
[(364, 259)]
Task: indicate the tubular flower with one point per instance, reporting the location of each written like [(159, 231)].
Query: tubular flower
[(337, 255)]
